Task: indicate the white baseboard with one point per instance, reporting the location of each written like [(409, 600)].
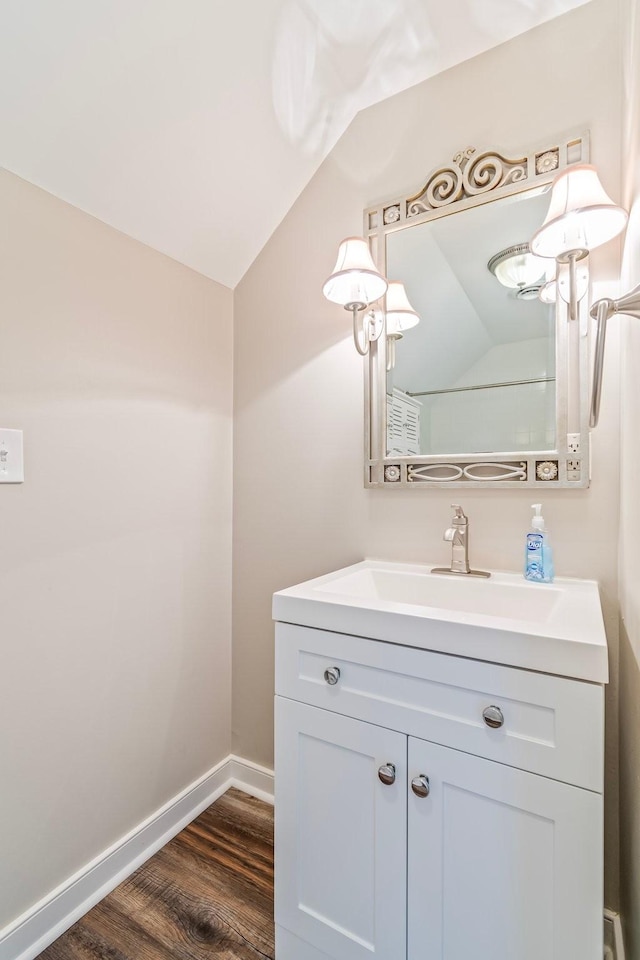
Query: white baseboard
[(43, 923), (251, 778), (613, 941)]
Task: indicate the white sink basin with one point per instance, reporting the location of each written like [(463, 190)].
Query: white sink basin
[(496, 597), (554, 628)]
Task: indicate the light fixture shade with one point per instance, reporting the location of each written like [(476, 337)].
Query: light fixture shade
[(355, 280), (548, 292), (516, 267), (581, 215), (399, 312)]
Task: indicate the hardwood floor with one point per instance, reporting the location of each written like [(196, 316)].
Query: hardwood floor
[(207, 893)]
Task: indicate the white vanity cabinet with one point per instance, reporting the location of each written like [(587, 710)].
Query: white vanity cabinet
[(433, 807), (341, 835)]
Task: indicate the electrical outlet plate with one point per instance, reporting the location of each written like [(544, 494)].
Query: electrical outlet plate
[(11, 461), (574, 470), (573, 443)]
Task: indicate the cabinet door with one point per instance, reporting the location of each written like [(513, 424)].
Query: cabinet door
[(502, 864), (340, 834)]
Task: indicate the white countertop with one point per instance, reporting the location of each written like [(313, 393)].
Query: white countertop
[(551, 628)]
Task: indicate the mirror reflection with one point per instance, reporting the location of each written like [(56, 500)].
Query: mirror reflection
[(477, 374)]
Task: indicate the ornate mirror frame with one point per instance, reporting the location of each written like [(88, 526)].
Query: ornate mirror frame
[(471, 179)]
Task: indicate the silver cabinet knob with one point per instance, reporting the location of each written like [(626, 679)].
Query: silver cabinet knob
[(493, 717), (332, 675), (420, 786), (387, 773)]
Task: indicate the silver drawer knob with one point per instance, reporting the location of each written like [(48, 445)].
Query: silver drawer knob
[(420, 786), (387, 773), (332, 675), (493, 717)]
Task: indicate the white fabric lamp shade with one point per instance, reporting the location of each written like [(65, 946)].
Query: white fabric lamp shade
[(355, 280), (581, 215), (548, 292), (399, 312)]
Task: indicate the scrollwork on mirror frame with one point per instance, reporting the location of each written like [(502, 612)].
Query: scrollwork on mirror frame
[(468, 175), (478, 472), (471, 178), (472, 174)]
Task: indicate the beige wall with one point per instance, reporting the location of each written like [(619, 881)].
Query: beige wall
[(115, 582), (115, 552), (630, 506), (300, 508)]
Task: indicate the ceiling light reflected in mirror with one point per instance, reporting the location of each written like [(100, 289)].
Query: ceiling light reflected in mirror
[(518, 269)]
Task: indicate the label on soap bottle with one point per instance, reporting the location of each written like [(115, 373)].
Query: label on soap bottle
[(534, 563)]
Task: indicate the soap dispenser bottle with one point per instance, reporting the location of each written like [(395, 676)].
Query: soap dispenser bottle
[(538, 559)]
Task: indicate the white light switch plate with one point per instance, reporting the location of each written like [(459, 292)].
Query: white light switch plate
[(11, 463)]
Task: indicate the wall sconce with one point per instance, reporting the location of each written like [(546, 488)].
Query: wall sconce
[(602, 311), (355, 284), (518, 269), (581, 217), (400, 316)]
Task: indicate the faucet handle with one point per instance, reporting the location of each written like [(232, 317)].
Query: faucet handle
[(459, 512)]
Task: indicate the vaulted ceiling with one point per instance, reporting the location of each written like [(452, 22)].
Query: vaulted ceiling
[(193, 125)]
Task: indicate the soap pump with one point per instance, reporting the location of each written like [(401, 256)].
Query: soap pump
[(538, 561)]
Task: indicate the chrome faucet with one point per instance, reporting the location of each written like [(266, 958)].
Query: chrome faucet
[(458, 536)]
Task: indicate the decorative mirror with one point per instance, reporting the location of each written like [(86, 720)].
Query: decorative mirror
[(491, 385)]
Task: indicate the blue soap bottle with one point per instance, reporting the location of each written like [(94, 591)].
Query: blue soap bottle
[(538, 556)]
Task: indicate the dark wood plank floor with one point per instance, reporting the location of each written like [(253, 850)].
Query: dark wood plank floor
[(207, 893)]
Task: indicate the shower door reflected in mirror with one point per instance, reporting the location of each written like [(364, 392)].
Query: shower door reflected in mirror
[(478, 373)]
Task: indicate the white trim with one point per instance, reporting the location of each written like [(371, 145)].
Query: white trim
[(613, 934), (31, 933), (251, 778)]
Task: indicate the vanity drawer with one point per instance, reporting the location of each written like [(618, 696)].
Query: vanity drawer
[(551, 725)]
